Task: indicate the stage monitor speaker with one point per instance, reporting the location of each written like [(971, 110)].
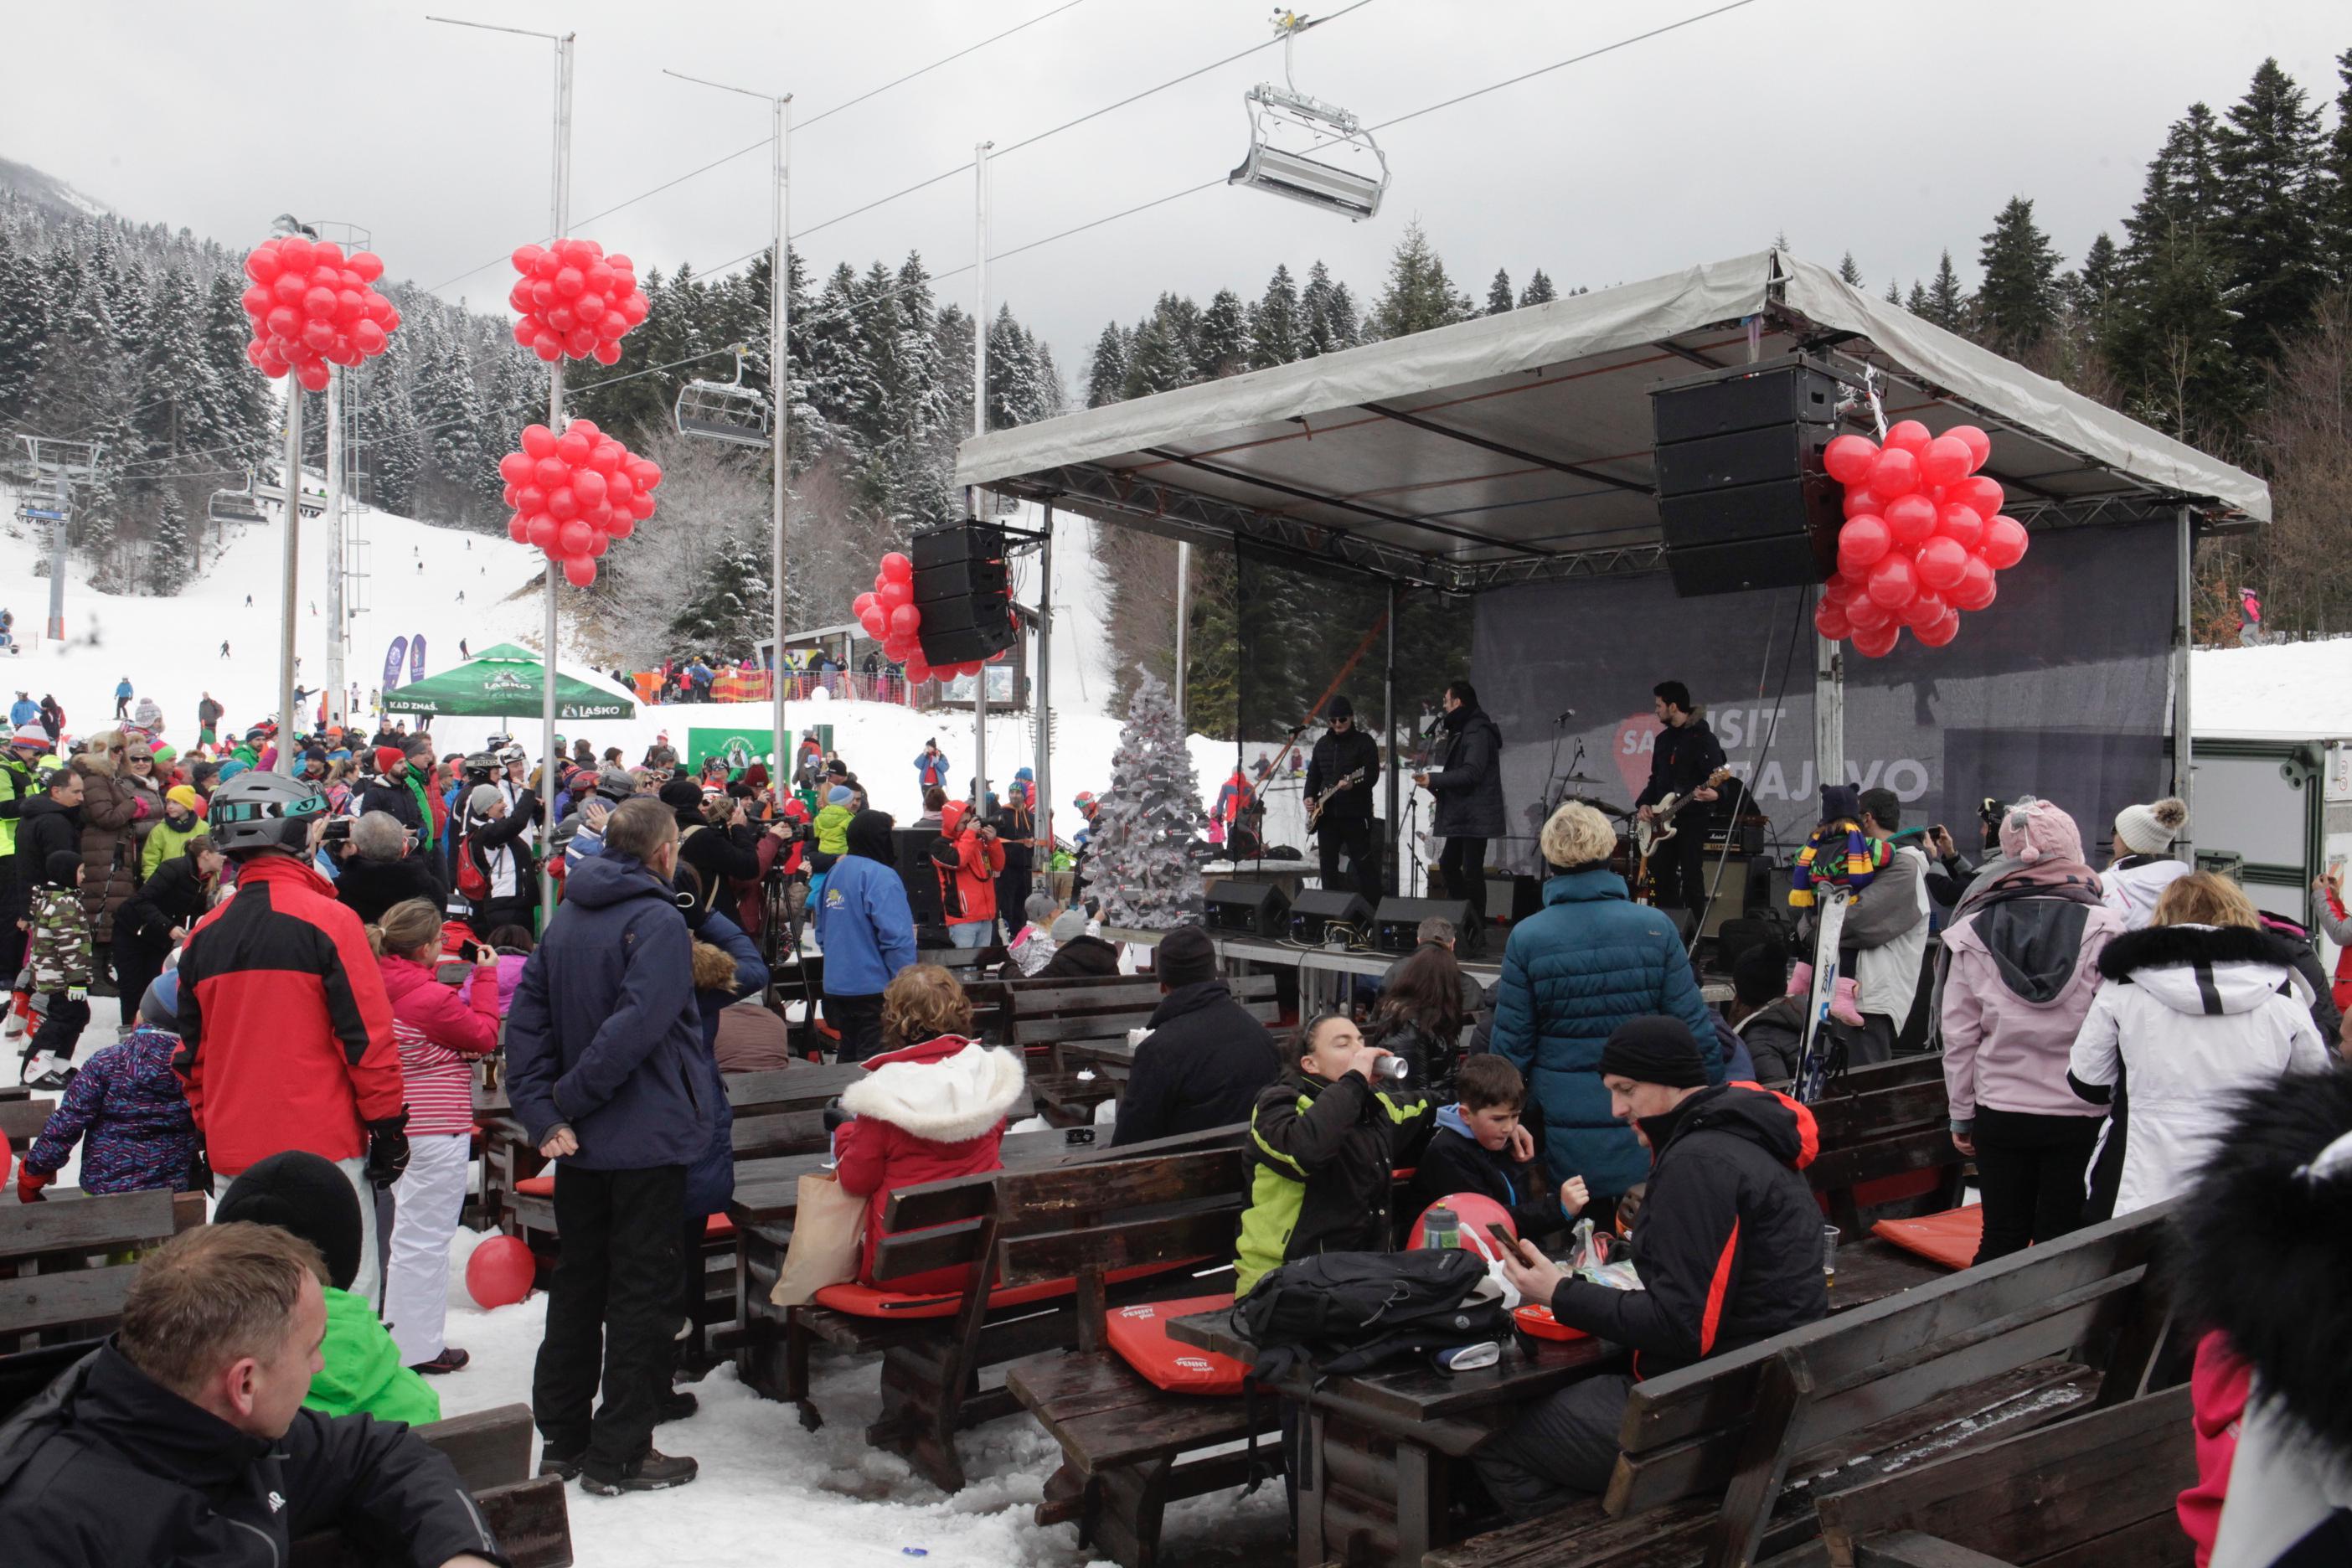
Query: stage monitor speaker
[(1246, 909), (1316, 910), (1396, 927)]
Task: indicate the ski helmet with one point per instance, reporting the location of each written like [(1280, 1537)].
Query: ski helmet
[(257, 810)]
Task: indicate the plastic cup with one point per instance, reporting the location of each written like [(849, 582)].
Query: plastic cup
[(1830, 1235)]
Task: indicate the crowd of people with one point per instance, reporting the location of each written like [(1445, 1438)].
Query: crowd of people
[(307, 965)]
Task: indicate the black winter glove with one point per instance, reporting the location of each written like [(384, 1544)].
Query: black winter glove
[(387, 1153)]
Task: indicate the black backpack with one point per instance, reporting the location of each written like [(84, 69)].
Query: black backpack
[(1344, 1312)]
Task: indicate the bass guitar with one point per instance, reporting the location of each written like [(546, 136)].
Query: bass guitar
[(1648, 836), (1315, 807)]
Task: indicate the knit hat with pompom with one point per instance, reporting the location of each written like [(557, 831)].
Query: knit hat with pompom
[(2151, 829), (2032, 831)]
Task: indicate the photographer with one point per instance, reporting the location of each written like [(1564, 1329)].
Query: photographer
[(717, 839), (492, 835), (968, 860), (1949, 872)]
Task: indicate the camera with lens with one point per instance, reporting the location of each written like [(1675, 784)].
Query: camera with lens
[(337, 831)]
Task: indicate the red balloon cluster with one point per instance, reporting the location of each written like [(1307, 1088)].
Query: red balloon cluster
[(1922, 539), (889, 617), (576, 301), (313, 306), (575, 494)]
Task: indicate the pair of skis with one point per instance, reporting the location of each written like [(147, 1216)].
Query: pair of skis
[(1815, 1057)]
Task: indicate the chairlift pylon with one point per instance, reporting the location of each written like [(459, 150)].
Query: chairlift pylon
[(723, 410), (238, 506), (1307, 149)]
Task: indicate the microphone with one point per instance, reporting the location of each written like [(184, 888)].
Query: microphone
[(1565, 715)]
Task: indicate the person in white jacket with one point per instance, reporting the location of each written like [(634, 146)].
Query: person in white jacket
[(2143, 865), (2200, 1004)]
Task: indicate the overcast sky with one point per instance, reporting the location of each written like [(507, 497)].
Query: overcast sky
[(1891, 130)]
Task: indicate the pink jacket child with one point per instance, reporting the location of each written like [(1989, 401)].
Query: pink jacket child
[(438, 1037)]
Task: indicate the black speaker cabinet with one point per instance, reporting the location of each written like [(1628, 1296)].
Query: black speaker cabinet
[(1396, 927), (965, 541), (1246, 909), (1731, 895), (1743, 501), (960, 579), (910, 852), (1315, 910), (1512, 898), (961, 590)]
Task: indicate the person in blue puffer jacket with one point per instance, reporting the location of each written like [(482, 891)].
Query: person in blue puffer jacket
[(1585, 964)]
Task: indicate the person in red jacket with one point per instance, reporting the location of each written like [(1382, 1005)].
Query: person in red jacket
[(931, 1106), (2327, 914), (285, 1028), (439, 1038), (967, 893)]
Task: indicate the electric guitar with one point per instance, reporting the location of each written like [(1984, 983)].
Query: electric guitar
[(1648, 836), (1315, 806)]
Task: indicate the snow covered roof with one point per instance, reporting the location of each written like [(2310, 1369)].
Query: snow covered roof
[(1518, 445)]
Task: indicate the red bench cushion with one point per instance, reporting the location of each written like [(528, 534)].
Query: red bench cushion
[(1949, 1239), (537, 1186), (1139, 1335), (874, 1301)]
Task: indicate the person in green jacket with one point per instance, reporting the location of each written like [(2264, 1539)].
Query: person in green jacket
[(362, 1371), (833, 828), (181, 821)]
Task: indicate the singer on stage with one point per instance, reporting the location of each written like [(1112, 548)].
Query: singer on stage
[(1685, 753), (1468, 783), (1343, 773)]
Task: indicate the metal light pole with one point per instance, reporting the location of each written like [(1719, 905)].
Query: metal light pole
[(559, 218), (333, 517), (288, 562), (979, 427), (1044, 695), (1183, 618), (59, 460), (780, 394)]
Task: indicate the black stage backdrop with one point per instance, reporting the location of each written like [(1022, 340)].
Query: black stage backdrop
[(2061, 690)]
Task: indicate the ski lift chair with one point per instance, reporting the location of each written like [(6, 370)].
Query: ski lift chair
[(238, 506), (1307, 149), (723, 410)]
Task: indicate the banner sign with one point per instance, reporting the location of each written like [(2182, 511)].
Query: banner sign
[(741, 748), (393, 659), (2044, 696), (416, 656)]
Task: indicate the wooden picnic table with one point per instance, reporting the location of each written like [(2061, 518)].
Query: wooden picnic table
[(1417, 1420), (767, 1192)]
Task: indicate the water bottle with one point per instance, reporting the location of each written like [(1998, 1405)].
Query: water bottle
[(1439, 1228)]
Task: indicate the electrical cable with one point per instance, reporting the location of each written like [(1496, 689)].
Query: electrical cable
[(836, 109)]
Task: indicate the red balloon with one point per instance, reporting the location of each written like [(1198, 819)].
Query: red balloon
[(318, 303), (312, 377), (283, 322), (1908, 436), (1848, 458), (1942, 562), (620, 263), (1979, 444), (515, 468), (1858, 502), (499, 1271), (607, 459), (370, 339), (519, 529), (646, 472), (1830, 620), (295, 252), (872, 623), (859, 605), (1942, 631), (559, 319), (547, 346), (898, 568), (1974, 589), (598, 542), (2004, 542), (574, 448), (564, 504), (539, 441), (641, 506), (1954, 520), (589, 486), (1893, 581), (607, 353), (326, 253), (580, 571), (574, 537), (569, 284), (262, 264), (367, 264), (1878, 642), (1910, 519), (1982, 494), (894, 594), (1945, 461), (1893, 472), (541, 529), (1866, 613), (525, 257), (552, 473), (1474, 1211), (905, 619), (1862, 542), (1924, 610), (621, 527), (919, 670)]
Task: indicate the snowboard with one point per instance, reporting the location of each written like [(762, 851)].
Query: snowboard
[(1813, 1056)]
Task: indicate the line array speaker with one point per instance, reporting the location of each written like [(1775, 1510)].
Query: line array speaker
[(1743, 501), (961, 590)]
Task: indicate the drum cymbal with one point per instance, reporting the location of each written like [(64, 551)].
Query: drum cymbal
[(1602, 806), (1579, 778)]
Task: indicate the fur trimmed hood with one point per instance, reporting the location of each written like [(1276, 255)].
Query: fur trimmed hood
[(2257, 1214), (949, 1089), (2203, 969)]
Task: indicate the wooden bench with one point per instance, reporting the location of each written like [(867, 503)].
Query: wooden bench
[(2096, 1489), (930, 1366), (1723, 1462), (22, 1119), (1130, 1448), (1069, 1022), (492, 1450), (1886, 1152), (59, 1282)]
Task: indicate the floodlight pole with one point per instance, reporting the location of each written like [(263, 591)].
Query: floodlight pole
[(780, 394), (57, 629), (1043, 826), (333, 517), (1183, 620), (2184, 745), (289, 560), (979, 427)]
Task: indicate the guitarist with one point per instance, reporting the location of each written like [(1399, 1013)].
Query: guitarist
[(1686, 752), (1344, 824)]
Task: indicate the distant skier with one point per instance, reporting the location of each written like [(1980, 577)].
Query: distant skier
[(225, 640), (461, 595), (122, 698), (248, 601), (463, 651)]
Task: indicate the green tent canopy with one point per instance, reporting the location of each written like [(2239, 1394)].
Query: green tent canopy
[(504, 682)]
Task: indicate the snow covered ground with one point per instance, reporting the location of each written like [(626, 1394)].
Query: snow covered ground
[(766, 1483), (2292, 690)]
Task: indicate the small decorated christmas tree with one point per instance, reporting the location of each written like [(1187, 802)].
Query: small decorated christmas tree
[(1140, 859)]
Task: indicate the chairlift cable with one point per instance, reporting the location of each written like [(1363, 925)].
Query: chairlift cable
[(836, 109)]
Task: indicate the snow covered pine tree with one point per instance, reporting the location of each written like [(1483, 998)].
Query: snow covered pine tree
[(1141, 857)]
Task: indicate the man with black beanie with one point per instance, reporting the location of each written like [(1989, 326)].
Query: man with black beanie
[(1346, 765), (1730, 1244), (1206, 1059)]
